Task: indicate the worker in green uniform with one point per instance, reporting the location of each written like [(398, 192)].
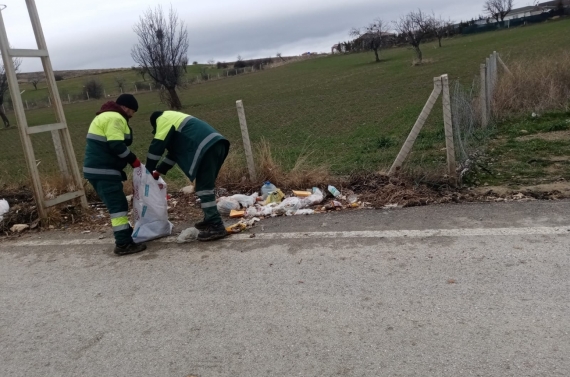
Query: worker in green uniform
[(106, 155), (200, 151)]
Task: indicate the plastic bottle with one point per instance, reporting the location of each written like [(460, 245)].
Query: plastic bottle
[(266, 189), (334, 191)]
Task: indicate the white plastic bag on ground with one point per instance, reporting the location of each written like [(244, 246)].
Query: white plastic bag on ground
[(288, 206), (150, 208), (226, 205), (4, 208), (188, 235), (245, 201), (305, 211), (315, 198)]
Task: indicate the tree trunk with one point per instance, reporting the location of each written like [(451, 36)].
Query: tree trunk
[(174, 100), (439, 39), (4, 118), (377, 57), (418, 53)]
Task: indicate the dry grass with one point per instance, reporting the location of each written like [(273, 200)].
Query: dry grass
[(534, 85), (303, 175)]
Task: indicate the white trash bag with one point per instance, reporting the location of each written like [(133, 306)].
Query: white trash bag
[(150, 207), (4, 208)]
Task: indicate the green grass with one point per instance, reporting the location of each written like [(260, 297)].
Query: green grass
[(516, 160), (352, 113)]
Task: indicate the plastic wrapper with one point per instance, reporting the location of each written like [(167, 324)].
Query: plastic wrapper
[(226, 205)]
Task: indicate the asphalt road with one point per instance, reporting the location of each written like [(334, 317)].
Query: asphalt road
[(458, 290)]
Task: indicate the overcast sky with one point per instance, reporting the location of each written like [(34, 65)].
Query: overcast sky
[(100, 35)]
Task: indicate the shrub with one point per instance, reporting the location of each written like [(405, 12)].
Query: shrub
[(534, 85), (94, 88)]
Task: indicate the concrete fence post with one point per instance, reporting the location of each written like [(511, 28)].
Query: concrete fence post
[(246, 141), (409, 143), (503, 64), (483, 96), (448, 124)]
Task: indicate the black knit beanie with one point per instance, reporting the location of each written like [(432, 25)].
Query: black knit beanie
[(128, 100), (153, 117)]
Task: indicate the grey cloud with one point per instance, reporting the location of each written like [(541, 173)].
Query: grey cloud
[(225, 39)]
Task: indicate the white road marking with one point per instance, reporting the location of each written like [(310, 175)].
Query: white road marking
[(465, 232)]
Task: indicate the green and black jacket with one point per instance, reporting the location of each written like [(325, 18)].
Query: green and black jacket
[(186, 138), (107, 152)]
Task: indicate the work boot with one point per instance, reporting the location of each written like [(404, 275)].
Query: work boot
[(130, 248), (214, 232), (203, 225)]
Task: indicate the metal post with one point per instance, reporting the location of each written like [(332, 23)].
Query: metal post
[(246, 141)]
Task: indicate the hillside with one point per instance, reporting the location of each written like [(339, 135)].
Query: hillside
[(351, 113)]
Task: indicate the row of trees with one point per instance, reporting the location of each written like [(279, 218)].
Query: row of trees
[(413, 28)]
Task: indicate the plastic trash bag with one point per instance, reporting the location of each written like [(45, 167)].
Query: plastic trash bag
[(226, 205), (288, 206), (315, 198), (4, 208), (150, 208), (245, 201), (188, 235)]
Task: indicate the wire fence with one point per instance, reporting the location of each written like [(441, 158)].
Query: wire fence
[(349, 131)]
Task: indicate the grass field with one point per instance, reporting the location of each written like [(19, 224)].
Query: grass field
[(349, 112)]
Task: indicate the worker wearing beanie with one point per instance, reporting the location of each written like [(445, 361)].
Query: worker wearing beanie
[(200, 151), (106, 155)]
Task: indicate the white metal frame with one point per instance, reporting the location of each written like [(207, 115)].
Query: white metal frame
[(60, 134)]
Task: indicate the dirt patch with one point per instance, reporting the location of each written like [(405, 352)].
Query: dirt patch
[(548, 136), (550, 191), (378, 190)]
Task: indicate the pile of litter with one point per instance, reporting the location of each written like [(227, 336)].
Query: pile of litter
[(272, 203)]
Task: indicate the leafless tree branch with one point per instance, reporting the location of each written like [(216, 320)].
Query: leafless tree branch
[(162, 51)]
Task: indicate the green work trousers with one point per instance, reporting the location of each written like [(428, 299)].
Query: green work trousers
[(111, 193), (206, 176)]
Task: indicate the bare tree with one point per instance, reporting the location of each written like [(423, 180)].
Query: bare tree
[(120, 81), (439, 27), (414, 27), (280, 56), (373, 36), (4, 89), (35, 80), (498, 9), (162, 51)]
